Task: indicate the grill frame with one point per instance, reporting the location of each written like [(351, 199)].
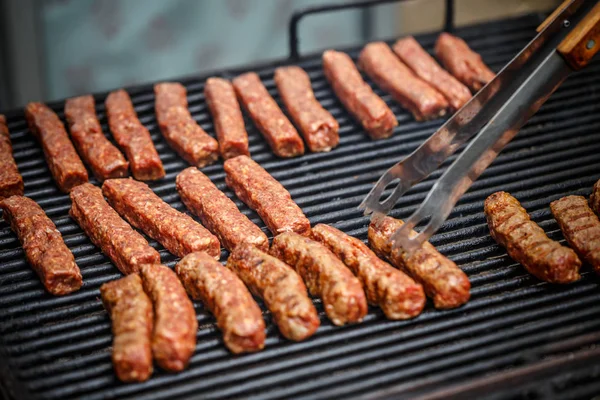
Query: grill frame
[(35, 328)]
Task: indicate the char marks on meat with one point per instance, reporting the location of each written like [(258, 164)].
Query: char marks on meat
[(225, 296), (527, 243), (446, 284)]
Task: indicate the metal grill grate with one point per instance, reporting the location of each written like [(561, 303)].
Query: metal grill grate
[(513, 326)]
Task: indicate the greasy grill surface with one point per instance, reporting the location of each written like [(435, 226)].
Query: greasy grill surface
[(59, 348)]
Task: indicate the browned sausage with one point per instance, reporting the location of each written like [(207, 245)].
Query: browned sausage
[(217, 212), (389, 73), (268, 117), (319, 128), (595, 198), (425, 67), (261, 192), (176, 231), (175, 324), (178, 127), (11, 181), (227, 117), (224, 294), (325, 275), (133, 137), (132, 318), (280, 287), (462, 62), (126, 248), (446, 284), (397, 294), (43, 245), (527, 243), (103, 158), (357, 96), (64, 163), (580, 226)]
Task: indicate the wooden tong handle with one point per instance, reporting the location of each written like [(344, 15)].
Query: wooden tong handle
[(551, 17), (583, 42)]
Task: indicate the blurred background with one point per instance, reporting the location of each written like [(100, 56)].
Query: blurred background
[(52, 49)]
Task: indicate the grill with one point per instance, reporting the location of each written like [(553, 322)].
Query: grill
[(518, 337)]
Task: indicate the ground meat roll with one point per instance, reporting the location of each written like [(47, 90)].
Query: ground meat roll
[(132, 318), (176, 231), (178, 127), (227, 117), (319, 128), (397, 294), (357, 96), (175, 324), (261, 192), (217, 212), (280, 287), (11, 181), (43, 245), (527, 243), (462, 62), (325, 275), (425, 67), (446, 284), (103, 158), (133, 137), (125, 247), (225, 296), (580, 226), (393, 76), (268, 117), (64, 162)]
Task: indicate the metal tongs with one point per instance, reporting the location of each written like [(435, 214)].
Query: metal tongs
[(566, 41)]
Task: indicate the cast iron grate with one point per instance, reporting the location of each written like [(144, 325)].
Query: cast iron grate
[(60, 347)]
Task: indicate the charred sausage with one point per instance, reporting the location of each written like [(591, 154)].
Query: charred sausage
[(398, 295), (580, 226), (64, 163), (132, 318), (176, 231), (261, 192), (527, 243), (446, 284), (133, 137), (425, 67), (319, 128), (11, 181), (125, 247), (462, 62), (43, 245), (325, 275), (175, 324), (227, 117), (268, 117), (217, 212), (393, 76), (280, 287), (103, 158), (357, 96), (225, 296), (178, 127)]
